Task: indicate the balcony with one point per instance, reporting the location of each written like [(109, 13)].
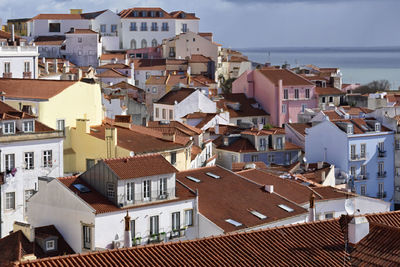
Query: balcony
[(185, 29), (381, 174), (381, 195), (362, 177), (7, 75), (177, 233), (141, 198), (381, 153), (27, 75), (156, 238), (356, 157)]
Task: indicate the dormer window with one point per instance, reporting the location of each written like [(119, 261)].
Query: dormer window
[(350, 128), (27, 126), (377, 127), (9, 127), (50, 245)]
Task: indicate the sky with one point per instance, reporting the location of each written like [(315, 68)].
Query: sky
[(258, 23)]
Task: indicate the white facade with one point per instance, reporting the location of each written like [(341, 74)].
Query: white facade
[(141, 76), (19, 62), (107, 25), (24, 183), (41, 27), (83, 49)]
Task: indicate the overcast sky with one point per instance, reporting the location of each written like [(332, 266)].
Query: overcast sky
[(258, 23)]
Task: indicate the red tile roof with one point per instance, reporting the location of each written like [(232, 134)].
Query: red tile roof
[(323, 91), (235, 197), (119, 56), (300, 127), (81, 31), (240, 166), (175, 127), (150, 64), (57, 16), (288, 77), (125, 85), (33, 89), (176, 95), (49, 40), (245, 106), (111, 73), (157, 80), (128, 13), (114, 66), (197, 58), (140, 166), (309, 244)]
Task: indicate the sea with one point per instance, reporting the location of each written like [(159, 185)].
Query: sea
[(357, 64)]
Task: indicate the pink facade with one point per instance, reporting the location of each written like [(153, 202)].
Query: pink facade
[(269, 92)]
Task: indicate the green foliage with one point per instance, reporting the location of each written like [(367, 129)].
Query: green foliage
[(268, 126)]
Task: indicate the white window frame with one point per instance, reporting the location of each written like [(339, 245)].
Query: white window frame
[(27, 126), (130, 191), (103, 28), (188, 217), (363, 190), (10, 201), (285, 94), (47, 156), (176, 221), (86, 236), (296, 93), (163, 186), (29, 159), (9, 163), (9, 127), (50, 245), (154, 225), (284, 108), (27, 66), (110, 190), (146, 189)]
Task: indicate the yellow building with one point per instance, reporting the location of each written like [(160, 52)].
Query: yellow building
[(57, 104), (91, 143), (20, 26)]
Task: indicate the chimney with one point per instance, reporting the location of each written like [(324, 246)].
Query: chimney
[(311, 209), (43, 60), (55, 65), (358, 229), (79, 74), (306, 167), (12, 33), (26, 228), (111, 141), (67, 66), (46, 67), (127, 233), (226, 141), (82, 126), (269, 188), (320, 164), (216, 129), (323, 176)]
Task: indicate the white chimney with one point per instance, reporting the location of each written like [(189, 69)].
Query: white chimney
[(358, 229), (12, 33), (323, 176), (226, 141), (311, 209), (320, 164), (306, 167), (216, 129), (55, 65), (43, 60), (127, 233), (46, 67), (269, 188)]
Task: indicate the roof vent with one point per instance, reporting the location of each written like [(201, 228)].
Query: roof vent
[(191, 178), (213, 175), (286, 208), (269, 188), (258, 215), (233, 222)]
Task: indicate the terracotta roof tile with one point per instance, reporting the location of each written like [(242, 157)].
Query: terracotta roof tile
[(300, 127), (197, 58), (322, 91), (114, 66), (49, 40), (288, 77), (240, 166), (119, 56), (157, 80), (57, 16), (175, 95), (140, 166), (150, 64), (81, 31), (238, 105), (178, 127), (111, 73)]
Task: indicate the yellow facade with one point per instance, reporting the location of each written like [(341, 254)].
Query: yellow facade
[(20, 26), (87, 147)]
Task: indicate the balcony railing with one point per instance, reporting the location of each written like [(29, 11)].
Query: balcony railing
[(381, 174), (381, 154), (156, 238), (154, 195), (355, 157), (177, 233), (27, 75), (362, 177), (381, 195), (7, 75), (185, 29)]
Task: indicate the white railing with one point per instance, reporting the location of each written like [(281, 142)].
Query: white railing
[(18, 49)]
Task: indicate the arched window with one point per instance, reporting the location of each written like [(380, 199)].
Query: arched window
[(144, 43), (133, 44), (154, 43)]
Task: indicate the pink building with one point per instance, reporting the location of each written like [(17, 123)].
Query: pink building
[(281, 93)]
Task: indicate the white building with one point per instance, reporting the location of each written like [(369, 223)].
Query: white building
[(83, 47), (147, 27), (19, 61), (121, 73), (96, 203), (179, 102), (29, 149)]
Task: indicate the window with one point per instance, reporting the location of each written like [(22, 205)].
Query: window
[(352, 171), (154, 26), (8, 127), (144, 43), (171, 114), (296, 93), (164, 114), (154, 90), (133, 230), (323, 99), (271, 158), (28, 158), (154, 225), (27, 126), (381, 146), (146, 189), (254, 121), (381, 190), (184, 27), (254, 158), (103, 28), (47, 158), (397, 144), (27, 66), (263, 143), (110, 191), (7, 67), (157, 112), (176, 221), (113, 27), (54, 27), (87, 237), (154, 43), (10, 201), (89, 163), (284, 108), (307, 93), (28, 194), (285, 94), (363, 170), (397, 171), (10, 162), (163, 187), (377, 127), (133, 26), (331, 99), (328, 215), (133, 44), (130, 191), (173, 158), (79, 39), (279, 143), (303, 108), (363, 189), (165, 27), (143, 26), (233, 158), (188, 217), (353, 151), (50, 245), (381, 169), (80, 53), (61, 125), (363, 149)]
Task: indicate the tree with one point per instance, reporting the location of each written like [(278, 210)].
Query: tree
[(226, 86), (373, 87)]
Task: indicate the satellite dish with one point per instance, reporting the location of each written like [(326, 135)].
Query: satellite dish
[(131, 154), (349, 206)]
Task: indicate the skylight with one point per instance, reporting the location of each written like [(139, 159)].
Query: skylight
[(191, 178), (82, 188), (233, 222), (258, 215), (213, 175), (288, 209)]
